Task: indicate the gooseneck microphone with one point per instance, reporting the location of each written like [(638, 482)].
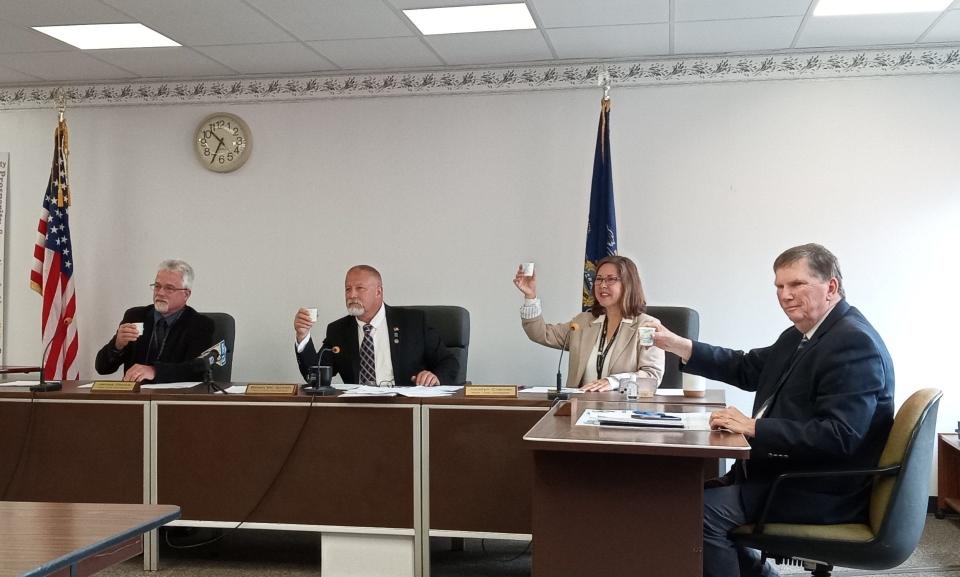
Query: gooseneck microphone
[(45, 386), (558, 394), (319, 376), (215, 355)]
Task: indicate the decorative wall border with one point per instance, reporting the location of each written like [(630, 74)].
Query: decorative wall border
[(784, 66)]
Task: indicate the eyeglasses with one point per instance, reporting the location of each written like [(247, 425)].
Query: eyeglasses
[(606, 280), (167, 288)]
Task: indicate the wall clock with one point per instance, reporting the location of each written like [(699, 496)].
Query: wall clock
[(222, 142)]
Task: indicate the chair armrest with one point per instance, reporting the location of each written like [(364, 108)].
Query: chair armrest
[(875, 471)]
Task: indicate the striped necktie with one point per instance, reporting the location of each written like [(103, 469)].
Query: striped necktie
[(368, 361)]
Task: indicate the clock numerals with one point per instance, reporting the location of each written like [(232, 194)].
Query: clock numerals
[(223, 142)]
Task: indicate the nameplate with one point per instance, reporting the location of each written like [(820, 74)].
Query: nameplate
[(115, 387), (269, 389), (504, 391)]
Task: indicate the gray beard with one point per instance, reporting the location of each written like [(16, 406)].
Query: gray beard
[(355, 310), (161, 307)]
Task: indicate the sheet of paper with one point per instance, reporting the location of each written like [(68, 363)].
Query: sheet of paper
[(423, 392), (545, 390), (690, 421), (369, 391), (669, 392), (169, 385), (236, 389), (19, 383)]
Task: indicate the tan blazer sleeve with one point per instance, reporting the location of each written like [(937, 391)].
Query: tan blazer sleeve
[(545, 334)]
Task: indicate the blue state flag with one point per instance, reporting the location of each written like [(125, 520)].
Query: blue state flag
[(602, 222)]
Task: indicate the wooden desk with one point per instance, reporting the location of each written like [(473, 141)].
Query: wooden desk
[(61, 539), (619, 501), (948, 474)]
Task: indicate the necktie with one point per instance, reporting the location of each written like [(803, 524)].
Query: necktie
[(368, 362), (159, 337), (766, 404)]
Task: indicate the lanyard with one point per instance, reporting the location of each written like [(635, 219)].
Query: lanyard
[(601, 351)]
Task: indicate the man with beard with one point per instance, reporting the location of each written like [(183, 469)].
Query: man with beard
[(378, 344), (174, 334)]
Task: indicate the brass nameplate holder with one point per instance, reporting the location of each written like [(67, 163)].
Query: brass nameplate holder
[(269, 389), (115, 387), (503, 391)]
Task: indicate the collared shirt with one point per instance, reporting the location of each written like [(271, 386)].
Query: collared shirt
[(381, 345), (809, 334)]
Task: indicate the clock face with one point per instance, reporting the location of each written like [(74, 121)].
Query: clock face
[(223, 142)]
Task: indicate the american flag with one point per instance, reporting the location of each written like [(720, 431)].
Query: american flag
[(52, 274)]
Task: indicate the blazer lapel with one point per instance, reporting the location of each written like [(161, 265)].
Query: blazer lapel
[(624, 341), (585, 339), (394, 335)]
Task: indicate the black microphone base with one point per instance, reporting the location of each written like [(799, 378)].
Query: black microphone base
[(557, 395), (319, 391), (46, 387), (214, 387)]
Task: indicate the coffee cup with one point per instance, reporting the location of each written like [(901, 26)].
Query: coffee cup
[(139, 328), (526, 268), (313, 314), (646, 387), (646, 335), (694, 385)]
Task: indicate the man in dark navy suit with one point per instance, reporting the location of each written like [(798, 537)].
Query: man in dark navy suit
[(824, 400), (378, 344)]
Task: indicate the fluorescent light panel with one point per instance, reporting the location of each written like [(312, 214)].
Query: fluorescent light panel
[(101, 36), (460, 19), (862, 7)]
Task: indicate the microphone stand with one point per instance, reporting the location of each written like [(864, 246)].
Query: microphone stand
[(45, 386), (208, 378), (558, 394)]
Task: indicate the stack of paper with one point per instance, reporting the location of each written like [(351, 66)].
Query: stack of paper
[(369, 391), (438, 391), (545, 390), (645, 419)]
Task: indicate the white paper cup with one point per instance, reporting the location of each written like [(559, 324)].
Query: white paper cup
[(139, 328), (313, 315), (646, 335), (694, 385), (526, 268)]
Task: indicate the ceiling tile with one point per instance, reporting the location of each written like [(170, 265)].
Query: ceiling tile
[(292, 57), (204, 22), (333, 19), (735, 9), (407, 4), (707, 36), (580, 13), (875, 29), (9, 76), (503, 47), (377, 53), (15, 38), (63, 66), (610, 41), (169, 62), (947, 30), (58, 12)]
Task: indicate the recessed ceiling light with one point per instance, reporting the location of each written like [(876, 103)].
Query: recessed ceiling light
[(459, 19), (100, 36), (858, 7)]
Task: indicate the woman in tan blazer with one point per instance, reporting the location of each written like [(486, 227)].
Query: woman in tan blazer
[(604, 342)]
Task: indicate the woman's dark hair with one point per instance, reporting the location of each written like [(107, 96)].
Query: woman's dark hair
[(632, 300)]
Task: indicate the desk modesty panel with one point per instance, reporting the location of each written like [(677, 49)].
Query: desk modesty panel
[(641, 489), (58, 449)]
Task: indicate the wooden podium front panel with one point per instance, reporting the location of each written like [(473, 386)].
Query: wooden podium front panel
[(350, 465), (82, 452), (481, 472), (617, 515)]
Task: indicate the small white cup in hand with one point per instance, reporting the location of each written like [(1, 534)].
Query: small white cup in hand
[(526, 268), (313, 314), (646, 335), (139, 327)]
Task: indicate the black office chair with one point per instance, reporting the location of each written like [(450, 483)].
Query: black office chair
[(898, 504), (453, 324), (684, 322), (224, 329)]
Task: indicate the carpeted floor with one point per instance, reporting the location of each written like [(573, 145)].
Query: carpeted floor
[(282, 554)]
